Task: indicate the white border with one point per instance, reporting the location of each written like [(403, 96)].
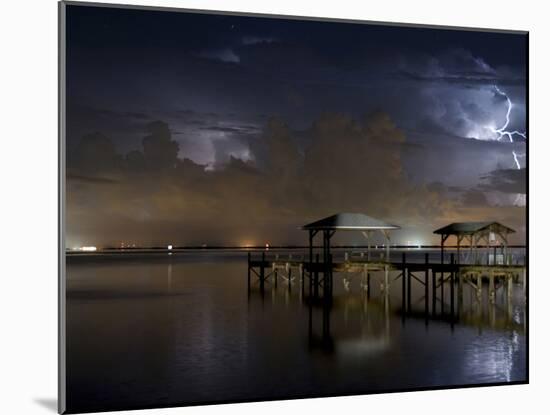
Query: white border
[(29, 166)]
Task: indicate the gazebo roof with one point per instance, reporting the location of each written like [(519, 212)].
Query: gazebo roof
[(349, 222), (470, 228)]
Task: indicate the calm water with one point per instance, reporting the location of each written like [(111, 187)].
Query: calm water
[(157, 330)]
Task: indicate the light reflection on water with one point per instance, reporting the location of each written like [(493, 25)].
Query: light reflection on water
[(167, 330)]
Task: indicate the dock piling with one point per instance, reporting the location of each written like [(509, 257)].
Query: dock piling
[(289, 274), (262, 272), (510, 282), (368, 285), (479, 291), (492, 295), (426, 290), (301, 269), (316, 277), (452, 289), (330, 285), (434, 292), (442, 287), (458, 275)]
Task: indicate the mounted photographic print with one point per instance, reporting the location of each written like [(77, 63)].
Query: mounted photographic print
[(261, 207)]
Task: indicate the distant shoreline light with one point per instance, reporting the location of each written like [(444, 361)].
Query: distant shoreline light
[(88, 248)]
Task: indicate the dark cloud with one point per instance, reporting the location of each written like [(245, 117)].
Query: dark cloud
[(263, 125), (292, 187), (95, 153), (159, 150), (90, 179), (505, 181), (268, 197), (237, 129), (458, 67), (289, 178), (110, 113), (135, 161), (455, 161)]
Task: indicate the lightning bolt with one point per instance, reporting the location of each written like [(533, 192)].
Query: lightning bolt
[(502, 132), (516, 159)]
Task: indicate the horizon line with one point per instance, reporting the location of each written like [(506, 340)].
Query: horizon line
[(273, 247)]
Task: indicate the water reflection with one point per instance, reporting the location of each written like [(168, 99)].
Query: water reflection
[(365, 328), (366, 319), (181, 329)]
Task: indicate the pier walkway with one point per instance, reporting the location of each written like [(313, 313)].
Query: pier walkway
[(317, 277)]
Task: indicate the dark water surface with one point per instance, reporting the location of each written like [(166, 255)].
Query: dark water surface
[(158, 330)]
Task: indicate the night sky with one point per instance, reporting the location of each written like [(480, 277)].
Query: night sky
[(193, 129)]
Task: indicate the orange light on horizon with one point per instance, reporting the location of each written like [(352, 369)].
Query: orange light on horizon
[(247, 244)]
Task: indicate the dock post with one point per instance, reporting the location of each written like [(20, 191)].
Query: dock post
[(366, 279), (289, 273), (460, 288), (452, 276), (301, 269), (524, 282), (386, 281), (426, 290), (368, 285), (310, 273), (330, 276), (262, 272), (316, 277), (479, 286), (326, 279), (491, 286), (510, 287), (442, 285), (434, 293), (403, 286)]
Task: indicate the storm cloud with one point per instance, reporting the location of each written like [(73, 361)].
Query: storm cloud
[(212, 129), (158, 197)]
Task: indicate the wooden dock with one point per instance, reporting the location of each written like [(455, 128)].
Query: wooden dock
[(316, 278)]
